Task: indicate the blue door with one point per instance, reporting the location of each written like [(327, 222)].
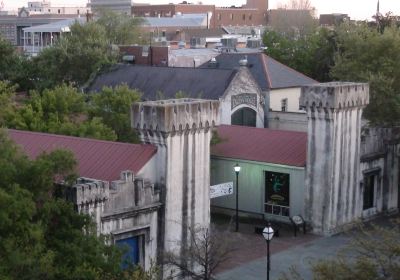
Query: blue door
[(131, 248)]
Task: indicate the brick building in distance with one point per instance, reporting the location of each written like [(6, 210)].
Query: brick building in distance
[(253, 13)]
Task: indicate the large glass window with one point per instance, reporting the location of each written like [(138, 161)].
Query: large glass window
[(277, 187), (245, 117), (369, 191)]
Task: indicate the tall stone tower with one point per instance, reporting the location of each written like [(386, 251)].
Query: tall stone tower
[(333, 195), (181, 129)]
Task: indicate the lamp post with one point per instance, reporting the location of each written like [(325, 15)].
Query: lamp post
[(268, 233), (237, 170)]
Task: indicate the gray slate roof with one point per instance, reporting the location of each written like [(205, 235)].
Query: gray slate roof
[(185, 20), (269, 73), (193, 82)]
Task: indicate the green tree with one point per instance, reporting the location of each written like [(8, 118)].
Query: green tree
[(120, 29), (366, 55), (7, 93), (113, 105), (42, 237), (312, 55), (14, 67), (62, 110), (75, 57)]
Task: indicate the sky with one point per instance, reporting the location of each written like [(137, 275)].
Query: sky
[(356, 9)]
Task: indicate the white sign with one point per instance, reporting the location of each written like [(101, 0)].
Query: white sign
[(221, 190)]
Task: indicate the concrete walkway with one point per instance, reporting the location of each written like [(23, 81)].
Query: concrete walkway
[(299, 256), (299, 252)]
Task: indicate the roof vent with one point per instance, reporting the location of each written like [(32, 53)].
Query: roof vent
[(213, 63), (243, 62)]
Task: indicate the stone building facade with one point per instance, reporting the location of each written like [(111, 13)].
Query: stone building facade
[(127, 209)]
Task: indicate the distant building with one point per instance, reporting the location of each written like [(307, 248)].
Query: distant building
[(253, 13), (38, 37), (37, 13), (45, 7), (119, 6), (332, 19)]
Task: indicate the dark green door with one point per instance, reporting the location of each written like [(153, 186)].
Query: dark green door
[(245, 117)]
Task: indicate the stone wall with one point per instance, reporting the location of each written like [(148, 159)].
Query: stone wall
[(380, 151), (287, 121), (125, 208)]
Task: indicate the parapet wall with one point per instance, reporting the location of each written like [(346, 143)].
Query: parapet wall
[(335, 95), (174, 115)]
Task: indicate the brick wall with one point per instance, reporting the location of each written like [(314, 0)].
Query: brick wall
[(155, 55)]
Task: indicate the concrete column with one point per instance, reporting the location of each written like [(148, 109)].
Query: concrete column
[(181, 129), (332, 182)]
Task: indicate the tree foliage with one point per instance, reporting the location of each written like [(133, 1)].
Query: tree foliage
[(86, 50), (62, 110), (120, 29), (350, 52), (312, 55), (113, 105), (366, 55), (42, 237), (14, 67), (75, 57)]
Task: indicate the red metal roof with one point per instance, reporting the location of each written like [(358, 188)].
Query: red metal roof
[(262, 145), (97, 159)]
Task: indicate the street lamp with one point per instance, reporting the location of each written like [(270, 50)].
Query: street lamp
[(268, 233), (237, 170)]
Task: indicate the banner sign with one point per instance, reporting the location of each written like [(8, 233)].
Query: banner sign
[(244, 98), (221, 190), (277, 188)]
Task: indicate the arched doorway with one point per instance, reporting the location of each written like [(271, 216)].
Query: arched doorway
[(245, 117)]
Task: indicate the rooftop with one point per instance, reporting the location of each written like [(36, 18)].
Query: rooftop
[(165, 82), (184, 20), (97, 159), (268, 72), (58, 26), (262, 145)]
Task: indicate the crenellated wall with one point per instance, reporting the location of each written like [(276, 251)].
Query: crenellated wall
[(333, 193), (181, 129), (125, 208)]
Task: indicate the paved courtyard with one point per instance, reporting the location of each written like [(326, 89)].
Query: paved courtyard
[(249, 260)]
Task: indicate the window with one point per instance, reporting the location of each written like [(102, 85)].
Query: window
[(219, 16), (131, 246), (231, 16), (250, 16), (277, 187), (369, 190), (244, 17), (59, 11), (284, 105)]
